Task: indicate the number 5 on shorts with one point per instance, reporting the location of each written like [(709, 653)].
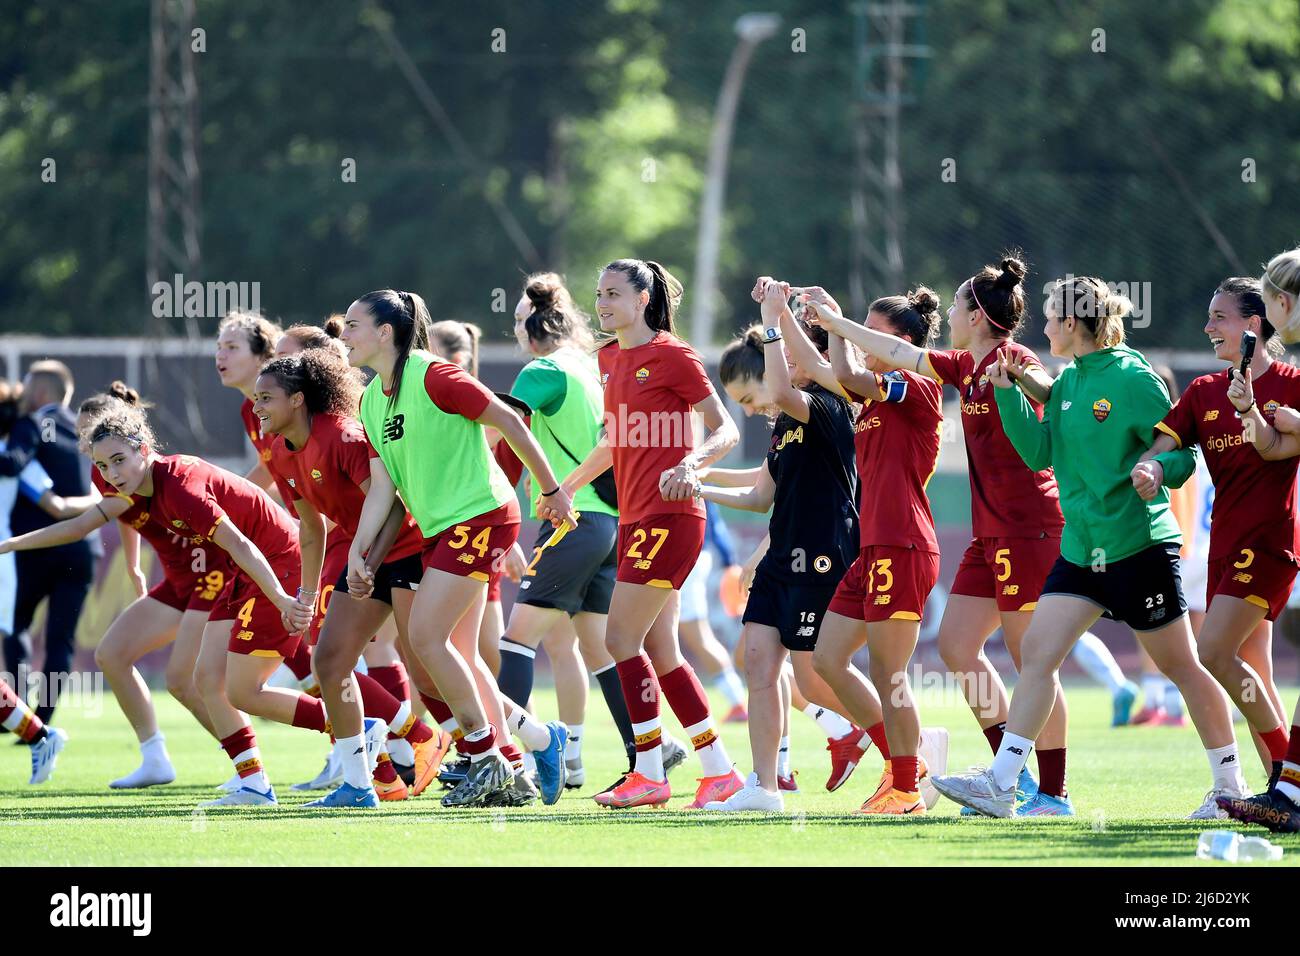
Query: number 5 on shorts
[(1002, 558)]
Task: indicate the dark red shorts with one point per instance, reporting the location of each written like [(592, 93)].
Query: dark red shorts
[(255, 627), (1259, 577), (659, 550), (332, 568), (474, 548), (886, 584), (1010, 570), (494, 586), (189, 591)]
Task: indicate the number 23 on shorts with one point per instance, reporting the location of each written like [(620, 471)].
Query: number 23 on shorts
[(639, 538)]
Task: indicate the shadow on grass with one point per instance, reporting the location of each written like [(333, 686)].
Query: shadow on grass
[(984, 841)]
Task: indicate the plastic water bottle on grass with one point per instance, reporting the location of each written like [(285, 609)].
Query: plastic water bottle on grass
[(1234, 848)]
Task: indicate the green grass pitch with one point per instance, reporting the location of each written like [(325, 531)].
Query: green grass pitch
[(1131, 788)]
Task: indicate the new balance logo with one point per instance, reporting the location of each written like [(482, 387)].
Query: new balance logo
[(1231, 758), (394, 428), (1017, 751)]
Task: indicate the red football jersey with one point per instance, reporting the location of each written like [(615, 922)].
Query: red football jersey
[(176, 554), (649, 393), (192, 496), (897, 445), (1007, 500), (328, 472), (1254, 499), (253, 426)]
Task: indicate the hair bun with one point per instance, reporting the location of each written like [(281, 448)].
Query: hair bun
[(123, 392), (1013, 272), (333, 326), (924, 300)]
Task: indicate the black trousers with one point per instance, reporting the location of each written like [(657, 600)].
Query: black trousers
[(64, 576)]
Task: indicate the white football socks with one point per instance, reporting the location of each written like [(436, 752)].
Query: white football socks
[(351, 753), (832, 724), (1010, 760), (1225, 766)]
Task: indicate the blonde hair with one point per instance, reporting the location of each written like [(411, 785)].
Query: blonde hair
[(1089, 300), (1282, 275), (450, 337)]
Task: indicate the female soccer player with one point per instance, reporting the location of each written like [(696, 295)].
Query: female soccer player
[(382, 661), (458, 342), (567, 585), (1119, 553), (320, 459), (882, 596), (256, 622), (245, 342), (1278, 807), (810, 483), (1281, 288), (652, 382), (1015, 512), (174, 611), (424, 418), (1253, 550), (177, 608)]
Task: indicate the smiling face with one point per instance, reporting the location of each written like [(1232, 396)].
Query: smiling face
[(753, 396), (1225, 325), (236, 363), (363, 339), (618, 303), (276, 408), (120, 463)]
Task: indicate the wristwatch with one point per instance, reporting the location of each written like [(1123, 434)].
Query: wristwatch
[(771, 334)]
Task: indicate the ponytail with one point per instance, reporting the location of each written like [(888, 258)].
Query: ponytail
[(409, 318), (450, 337), (665, 291)]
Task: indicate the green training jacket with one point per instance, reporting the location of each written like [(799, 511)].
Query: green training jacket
[(1096, 424)]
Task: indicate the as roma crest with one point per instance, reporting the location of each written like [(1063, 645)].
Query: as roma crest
[(1100, 409)]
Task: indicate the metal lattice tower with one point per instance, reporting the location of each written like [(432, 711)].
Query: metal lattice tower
[(889, 41), (174, 212)]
